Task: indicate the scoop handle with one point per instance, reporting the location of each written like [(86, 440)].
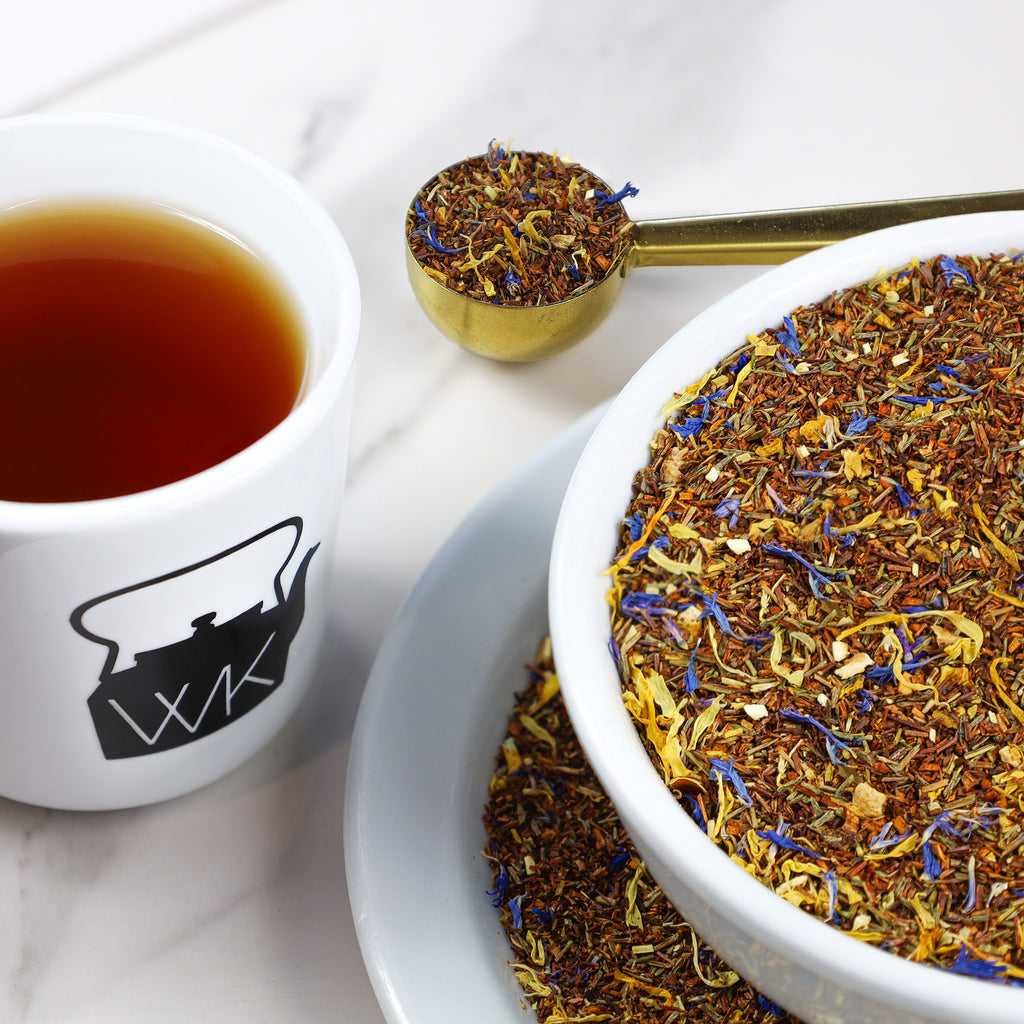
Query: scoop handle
[(775, 236)]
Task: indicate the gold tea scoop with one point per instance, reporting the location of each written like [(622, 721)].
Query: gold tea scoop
[(520, 333)]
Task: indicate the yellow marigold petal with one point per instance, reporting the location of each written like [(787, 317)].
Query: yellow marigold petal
[(683, 532), (907, 846), (814, 428), (916, 480), (745, 372), (1001, 689), (513, 761), (633, 917), (692, 568), (534, 728), (853, 464), (1004, 549), (530, 980)]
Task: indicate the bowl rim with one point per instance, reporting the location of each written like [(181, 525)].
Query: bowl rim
[(595, 502)]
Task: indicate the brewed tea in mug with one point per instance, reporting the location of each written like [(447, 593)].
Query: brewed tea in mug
[(138, 346)]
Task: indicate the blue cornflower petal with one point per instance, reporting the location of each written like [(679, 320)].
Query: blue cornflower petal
[(985, 818), (884, 840), (937, 385), (727, 507), (692, 682), (430, 234), (500, 887), (688, 427), (674, 631), (865, 702), (606, 199), (766, 1004), (614, 651), (639, 605), (788, 337), (727, 771), (781, 839), (833, 892), (859, 423), (695, 812), (901, 635), (932, 867), (832, 743), (714, 609), (517, 914), (905, 499), (814, 581), (881, 674), (704, 399), (635, 524), (816, 577), (943, 822), (951, 269), (975, 967), (659, 542)]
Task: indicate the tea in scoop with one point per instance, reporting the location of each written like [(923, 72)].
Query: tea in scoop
[(519, 255)]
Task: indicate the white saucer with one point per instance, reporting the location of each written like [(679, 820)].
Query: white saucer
[(432, 717)]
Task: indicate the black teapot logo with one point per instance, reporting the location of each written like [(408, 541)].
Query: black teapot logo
[(191, 651)]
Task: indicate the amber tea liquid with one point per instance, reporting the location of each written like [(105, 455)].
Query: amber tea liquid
[(137, 346)]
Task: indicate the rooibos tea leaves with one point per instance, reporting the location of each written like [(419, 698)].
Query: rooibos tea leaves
[(518, 228), (817, 610), (594, 937), (138, 346)]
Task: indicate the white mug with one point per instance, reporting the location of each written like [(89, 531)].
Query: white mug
[(150, 643)]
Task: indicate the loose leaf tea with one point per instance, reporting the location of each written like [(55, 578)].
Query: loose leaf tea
[(817, 610), (517, 228), (593, 935)]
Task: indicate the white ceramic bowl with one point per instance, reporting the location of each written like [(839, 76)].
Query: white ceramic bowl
[(817, 972)]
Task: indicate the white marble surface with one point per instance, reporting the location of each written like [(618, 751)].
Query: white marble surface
[(230, 904)]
